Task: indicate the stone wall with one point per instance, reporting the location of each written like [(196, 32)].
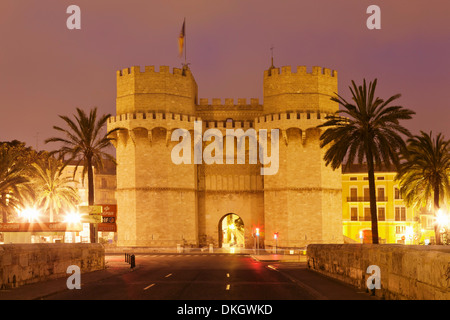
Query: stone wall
[(27, 263), (406, 272)]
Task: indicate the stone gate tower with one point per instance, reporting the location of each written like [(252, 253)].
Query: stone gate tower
[(303, 201), (162, 204)]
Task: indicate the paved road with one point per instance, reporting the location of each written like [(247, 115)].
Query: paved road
[(194, 277)]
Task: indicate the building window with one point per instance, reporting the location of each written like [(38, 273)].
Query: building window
[(354, 214), (400, 229), (366, 194), (400, 214), (381, 214), (380, 194), (397, 194), (367, 214), (380, 178), (353, 194), (353, 178)]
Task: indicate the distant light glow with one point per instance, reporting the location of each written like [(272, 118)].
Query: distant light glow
[(72, 217), (442, 218), (409, 232), (31, 214)]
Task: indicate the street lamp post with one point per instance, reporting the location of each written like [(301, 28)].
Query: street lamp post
[(257, 240), (275, 236)]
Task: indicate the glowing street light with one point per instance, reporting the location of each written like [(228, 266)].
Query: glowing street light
[(30, 214), (442, 219), (72, 217), (409, 233)]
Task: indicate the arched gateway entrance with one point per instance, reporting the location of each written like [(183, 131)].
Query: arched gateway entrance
[(231, 231)]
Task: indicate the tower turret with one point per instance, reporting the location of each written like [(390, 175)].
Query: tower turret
[(302, 201), (150, 90), (156, 199), (299, 91)]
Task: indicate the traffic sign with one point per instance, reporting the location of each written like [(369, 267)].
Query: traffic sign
[(93, 218), (90, 209)]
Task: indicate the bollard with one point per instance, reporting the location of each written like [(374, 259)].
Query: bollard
[(132, 261)]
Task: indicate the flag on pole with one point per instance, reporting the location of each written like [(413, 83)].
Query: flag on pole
[(181, 40)]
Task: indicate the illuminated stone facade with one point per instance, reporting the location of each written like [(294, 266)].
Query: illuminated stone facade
[(163, 204)]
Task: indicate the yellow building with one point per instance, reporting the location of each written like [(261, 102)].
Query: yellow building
[(397, 223)]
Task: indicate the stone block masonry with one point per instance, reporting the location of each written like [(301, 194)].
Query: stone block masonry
[(406, 272), (28, 263)]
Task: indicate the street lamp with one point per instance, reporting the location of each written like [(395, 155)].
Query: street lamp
[(72, 217), (30, 214), (442, 218), (443, 223), (275, 236), (257, 240)]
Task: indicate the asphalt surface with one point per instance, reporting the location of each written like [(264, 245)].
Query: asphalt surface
[(189, 277)]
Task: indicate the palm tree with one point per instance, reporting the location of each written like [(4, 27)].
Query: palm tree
[(13, 182), (370, 132), (425, 172), (53, 189), (84, 143)]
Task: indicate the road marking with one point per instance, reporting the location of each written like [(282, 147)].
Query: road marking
[(228, 275), (228, 287), (149, 286), (168, 275)]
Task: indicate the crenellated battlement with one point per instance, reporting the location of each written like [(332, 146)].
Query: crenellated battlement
[(228, 102), (300, 71), (152, 116), (172, 120), (293, 116), (150, 70), (285, 120)]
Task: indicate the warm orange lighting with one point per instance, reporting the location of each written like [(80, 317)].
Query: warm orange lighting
[(442, 218), (31, 214), (72, 217)]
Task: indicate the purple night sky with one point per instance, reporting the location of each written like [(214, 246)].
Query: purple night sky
[(48, 70)]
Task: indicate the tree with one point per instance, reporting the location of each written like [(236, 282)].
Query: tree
[(52, 188), (15, 159), (84, 142), (370, 131), (424, 175)]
